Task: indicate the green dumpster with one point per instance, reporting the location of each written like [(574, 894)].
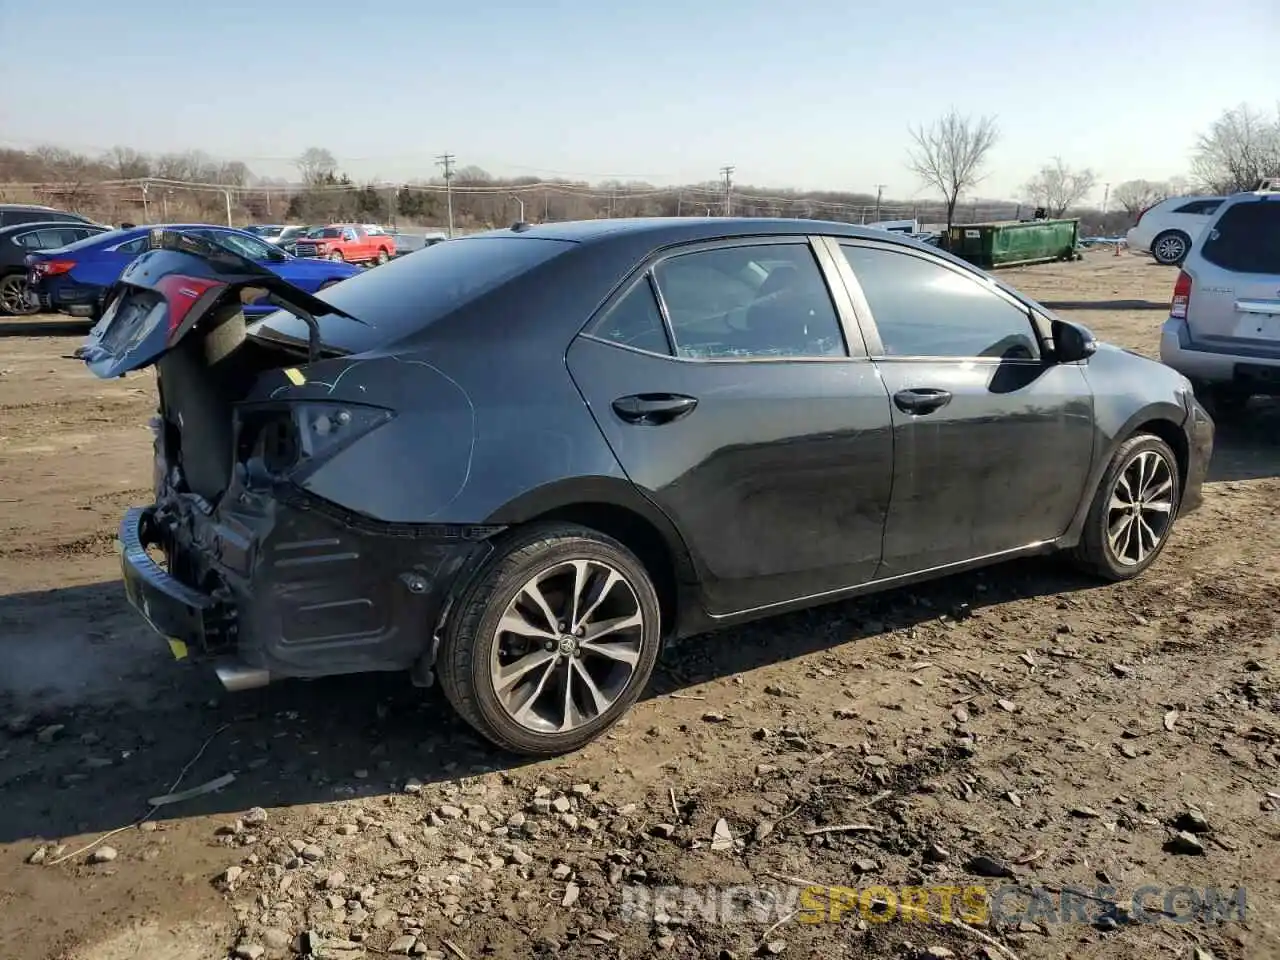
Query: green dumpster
[(1014, 242)]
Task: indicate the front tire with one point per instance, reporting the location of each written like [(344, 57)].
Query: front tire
[(1133, 510), (337, 256), (553, 641), (383, 256), (1170, 248)]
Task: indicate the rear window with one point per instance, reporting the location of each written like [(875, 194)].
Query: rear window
[(1246, 239), (413, 292)]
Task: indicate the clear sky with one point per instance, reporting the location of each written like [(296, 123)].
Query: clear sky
[(796, 93)]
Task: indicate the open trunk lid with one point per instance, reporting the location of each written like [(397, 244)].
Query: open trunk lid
[(181, 285)]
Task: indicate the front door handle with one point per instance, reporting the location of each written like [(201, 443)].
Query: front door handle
[(921, 400), (652, 409)]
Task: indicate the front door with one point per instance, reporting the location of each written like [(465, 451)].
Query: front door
[(992, 445), (734, 403)]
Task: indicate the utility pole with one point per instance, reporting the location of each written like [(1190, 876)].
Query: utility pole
[(727, 172), (879, 194), (1106, 195), (445, 160)]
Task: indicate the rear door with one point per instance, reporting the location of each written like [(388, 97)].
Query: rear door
[(992, 444), (1235, 274), (736, 397)]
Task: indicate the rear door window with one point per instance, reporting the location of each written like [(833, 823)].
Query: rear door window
[(1246, 238), (749, 302)]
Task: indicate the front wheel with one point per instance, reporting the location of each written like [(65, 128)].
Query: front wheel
[(337, 256), (1133, 510), (383, 256), (553, 642)]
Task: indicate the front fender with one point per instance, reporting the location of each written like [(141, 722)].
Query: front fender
[(1109, 436)]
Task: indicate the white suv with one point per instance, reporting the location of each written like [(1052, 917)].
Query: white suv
[(1223, 331), (1167, 229)]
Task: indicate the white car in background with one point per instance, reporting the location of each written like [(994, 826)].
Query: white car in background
[(1223, 331), (1167, 229)]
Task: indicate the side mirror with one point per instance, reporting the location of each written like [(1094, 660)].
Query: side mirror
[(1072, 342)]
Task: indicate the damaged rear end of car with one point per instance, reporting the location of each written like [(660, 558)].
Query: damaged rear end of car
[(238, 559)]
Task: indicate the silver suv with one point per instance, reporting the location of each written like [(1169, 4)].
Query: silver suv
[(1223, 331)]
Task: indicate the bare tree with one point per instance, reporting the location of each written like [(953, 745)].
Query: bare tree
[(1136, 195), (1057, 187), (316, 164), (1240, 148), (950, 154), (128, 163)]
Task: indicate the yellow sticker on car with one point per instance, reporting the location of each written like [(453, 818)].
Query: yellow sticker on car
[(178, 647), (295, 376)]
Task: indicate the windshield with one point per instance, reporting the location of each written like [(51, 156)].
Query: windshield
[(268, 231), (327, 232), (406, 295)]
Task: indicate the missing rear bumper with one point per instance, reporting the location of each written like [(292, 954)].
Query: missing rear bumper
[(292, 588)]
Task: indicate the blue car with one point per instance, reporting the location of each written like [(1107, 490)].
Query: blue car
[(75, 278)]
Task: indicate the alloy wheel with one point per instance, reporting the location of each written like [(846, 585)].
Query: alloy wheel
[(1140, 512), (567, 646), (1170, 249), (13, 296)]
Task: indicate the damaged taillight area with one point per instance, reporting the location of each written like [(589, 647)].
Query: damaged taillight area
[(288, 442)]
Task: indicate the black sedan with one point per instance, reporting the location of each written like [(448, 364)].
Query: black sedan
[(18, 241), (519, 461)]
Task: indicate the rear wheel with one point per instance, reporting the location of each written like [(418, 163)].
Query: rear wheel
[(1170, 247), (13, 296), (1133, 510), (553, 641), (383, 256)]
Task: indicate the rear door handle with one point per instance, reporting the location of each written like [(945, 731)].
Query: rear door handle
[(921, 400), (652, 409)]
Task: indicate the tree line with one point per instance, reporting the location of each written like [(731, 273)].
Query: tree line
[(949, 156)]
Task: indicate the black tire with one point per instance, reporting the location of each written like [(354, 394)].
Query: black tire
[(463, 659), (1093, 554), (382, 257), (1170, 247)]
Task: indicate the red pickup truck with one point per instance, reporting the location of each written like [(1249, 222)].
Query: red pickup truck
[(347, 241)]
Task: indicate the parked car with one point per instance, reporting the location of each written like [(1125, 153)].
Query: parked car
[(1167, 229), (18, 241), (409, 242), (12, 214), (281, 235), (1223, 329), (696, 422), (75, 279), (347, 241)]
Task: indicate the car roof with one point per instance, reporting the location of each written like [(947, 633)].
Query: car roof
[(31, 206), (663, 230)]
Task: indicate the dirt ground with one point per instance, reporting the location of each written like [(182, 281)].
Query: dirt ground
[(1020, 729)]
